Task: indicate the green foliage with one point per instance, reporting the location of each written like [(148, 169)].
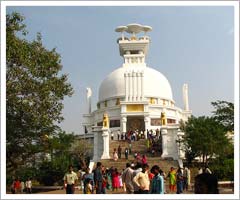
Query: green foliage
[(225, 170), (190, 155), (52, 172), (26, 172), (80, 152), (182, 125), (35, 91), (205, 137), (223, 164), (61, 143), (224, 114), (65, 149)]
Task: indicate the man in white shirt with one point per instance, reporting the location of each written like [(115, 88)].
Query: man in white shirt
[(70, 180), (138, 169), (142, 180), (127, 177)]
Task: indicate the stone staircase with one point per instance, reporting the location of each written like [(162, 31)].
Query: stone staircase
[(137, 146)]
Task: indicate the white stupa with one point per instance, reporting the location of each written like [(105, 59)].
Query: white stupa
[(135, 96)]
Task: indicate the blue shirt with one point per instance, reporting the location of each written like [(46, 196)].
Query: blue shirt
[(157, 185)]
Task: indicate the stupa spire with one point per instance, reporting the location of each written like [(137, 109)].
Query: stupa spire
[(133, 49)]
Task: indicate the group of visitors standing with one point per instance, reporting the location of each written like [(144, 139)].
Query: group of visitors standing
[(132, 135), (117, 153), (20, 186), (138, 179), (103, 178), (135, 179), (96, 182), (179, 179)]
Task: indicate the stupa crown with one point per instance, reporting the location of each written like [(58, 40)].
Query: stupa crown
[(133, 45)]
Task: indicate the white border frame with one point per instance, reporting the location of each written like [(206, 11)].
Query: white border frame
[(4, 4)]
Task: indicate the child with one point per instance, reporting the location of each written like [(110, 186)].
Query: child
[(89, 188), (120, 180)]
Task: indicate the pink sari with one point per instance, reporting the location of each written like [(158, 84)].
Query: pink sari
[(115, 180)]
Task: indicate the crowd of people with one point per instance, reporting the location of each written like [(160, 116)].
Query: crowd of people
[(117, 154), (19, 186), (136, 178), (152, 137), (139, 178), (135, 135)]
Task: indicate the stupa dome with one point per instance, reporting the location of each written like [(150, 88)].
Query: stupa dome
[(155, 84)]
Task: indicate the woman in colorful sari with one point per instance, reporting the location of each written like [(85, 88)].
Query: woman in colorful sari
[(109, 179), (172, 179), (115, 180), (115, 155)]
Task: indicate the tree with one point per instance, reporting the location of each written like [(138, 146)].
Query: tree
[(80, 151), (224, 114), (223, 164), (190, 153), (35, 91), (64, 149), (51, 170), (205, 137)]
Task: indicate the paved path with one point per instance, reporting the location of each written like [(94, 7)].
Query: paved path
[(120, 191)]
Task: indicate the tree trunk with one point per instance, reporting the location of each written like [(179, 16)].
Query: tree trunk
[(203, 161)]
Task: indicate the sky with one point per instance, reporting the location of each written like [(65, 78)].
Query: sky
[(189, 44)]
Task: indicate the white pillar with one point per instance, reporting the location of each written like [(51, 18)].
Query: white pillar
[(130, 87), (138, 86), (95, 142), (142, 86), (133, 85), (164, 142), (147, 123), (105, 135), (126, 86), (89, 105), (124, 124), (185, 97), (89, 95), (122, 33)]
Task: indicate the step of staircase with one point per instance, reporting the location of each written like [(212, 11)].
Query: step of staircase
[(137, 146)]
